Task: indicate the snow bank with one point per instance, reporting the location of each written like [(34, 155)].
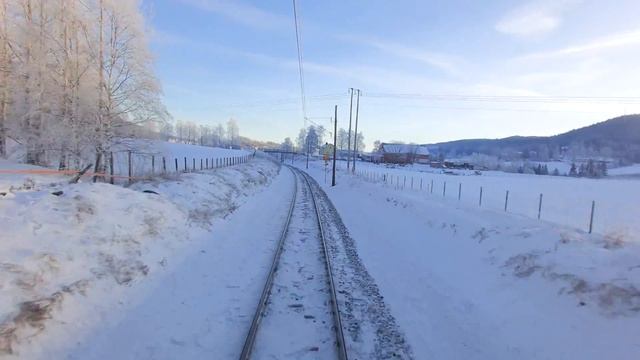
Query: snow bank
[(470, 284), (64, 256), (18, 180)]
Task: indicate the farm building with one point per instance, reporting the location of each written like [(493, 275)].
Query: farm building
[(404, 153)]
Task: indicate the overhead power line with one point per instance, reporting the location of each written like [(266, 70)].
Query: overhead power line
[(509, 98), (286, 101), (300, 63)]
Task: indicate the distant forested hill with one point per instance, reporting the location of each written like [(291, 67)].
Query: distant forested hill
[(617, 138)]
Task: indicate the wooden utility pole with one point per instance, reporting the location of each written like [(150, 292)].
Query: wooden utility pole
[(4, 70), (335, 140), (349, 134), (355, 138)]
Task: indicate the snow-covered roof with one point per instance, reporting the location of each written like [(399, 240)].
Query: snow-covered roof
[(404, 149), (422, 150)]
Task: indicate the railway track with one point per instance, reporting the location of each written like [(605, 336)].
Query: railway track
[(298, 315)]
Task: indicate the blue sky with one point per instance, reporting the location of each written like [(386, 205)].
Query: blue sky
[(218, 59)]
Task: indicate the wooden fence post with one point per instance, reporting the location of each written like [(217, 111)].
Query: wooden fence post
[(193, 165), (480, 201), (96, 167), (593, 209), (459, 191), (207, 164), (153, 165), (420, 184), (539, 206), (200, 164), (176, 159), (431, 191), (111, 179), (185, 164), (444, 189), (164, 165), (506, 200), (130, 168)]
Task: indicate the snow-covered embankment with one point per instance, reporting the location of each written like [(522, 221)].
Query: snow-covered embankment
[(61, 257)]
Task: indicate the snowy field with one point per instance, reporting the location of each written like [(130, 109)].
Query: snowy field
[(631, 170), (79, 263), (465, 283), (566, 200)]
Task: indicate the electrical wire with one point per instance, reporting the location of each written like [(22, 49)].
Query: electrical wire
[(300, 63), (512, 99)]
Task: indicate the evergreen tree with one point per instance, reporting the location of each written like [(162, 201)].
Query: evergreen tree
[(573, 171)]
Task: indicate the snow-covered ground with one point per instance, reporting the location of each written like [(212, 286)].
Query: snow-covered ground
[(13, 177), (465, 283), (76, 265), (103, 271), (566, 200), (631, 170)]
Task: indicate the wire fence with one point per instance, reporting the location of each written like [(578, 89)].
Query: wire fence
[(609, 215), (126, 167), (133, 166)]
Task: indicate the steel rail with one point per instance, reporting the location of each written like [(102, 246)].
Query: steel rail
[(340, 342), (247, 348), (266, 292)]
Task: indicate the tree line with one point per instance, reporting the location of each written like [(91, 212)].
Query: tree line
[(75, 77), (188, 132), (313, 139)]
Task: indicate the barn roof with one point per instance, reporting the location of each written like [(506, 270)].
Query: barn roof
[(404, 149)]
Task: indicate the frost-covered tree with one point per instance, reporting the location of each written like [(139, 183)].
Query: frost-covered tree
[(377, 145), (287, 145), (342, 139), (76, 76), (233, 132), (301, 140), (361, 144), (219, 135)]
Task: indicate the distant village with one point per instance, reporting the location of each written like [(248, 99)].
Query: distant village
[(403, 154)]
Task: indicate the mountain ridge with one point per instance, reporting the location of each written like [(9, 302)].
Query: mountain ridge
[(617, 138)]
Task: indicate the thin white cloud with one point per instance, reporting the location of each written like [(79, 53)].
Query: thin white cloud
[(535, 18), (166, 38), (619, 40), (443, 62), (240, 12)]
